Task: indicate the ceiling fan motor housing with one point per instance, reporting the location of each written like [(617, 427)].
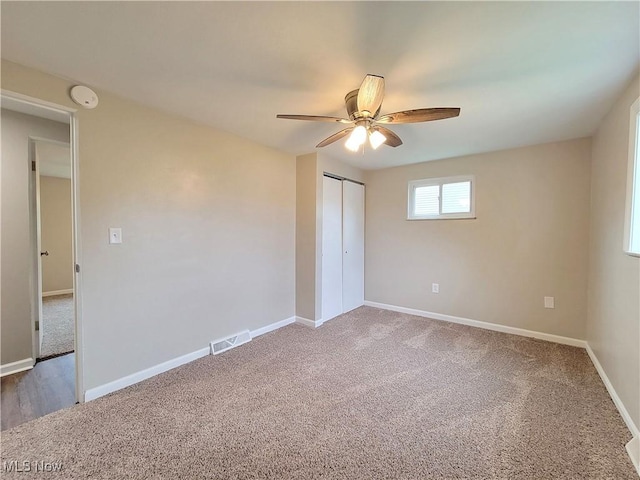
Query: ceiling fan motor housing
[(351, 101)]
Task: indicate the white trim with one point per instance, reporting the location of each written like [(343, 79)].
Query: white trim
[(77, 255), (134, 378), (71, 113), (633, 449), (574, 342), (612, 392), (271, 327), (20, 97), (633, 174), (15, 367), (53, 293), (440, 182), (309, 323), (36, 229), (633, 446), (38, 139)]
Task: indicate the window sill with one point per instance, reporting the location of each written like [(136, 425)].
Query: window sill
[(414, 219)]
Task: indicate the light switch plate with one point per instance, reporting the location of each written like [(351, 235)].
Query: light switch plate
[(435, 288), (115, 236)]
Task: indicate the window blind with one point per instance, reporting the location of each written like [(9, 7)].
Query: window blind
[(456, 197), (427, 200)]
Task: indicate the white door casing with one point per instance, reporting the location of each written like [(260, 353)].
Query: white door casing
[(44, 109)]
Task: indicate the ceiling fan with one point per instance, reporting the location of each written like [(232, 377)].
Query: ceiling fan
[(363, 107)]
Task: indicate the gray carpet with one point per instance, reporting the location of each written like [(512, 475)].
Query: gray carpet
[(371, 394), (58, 325)]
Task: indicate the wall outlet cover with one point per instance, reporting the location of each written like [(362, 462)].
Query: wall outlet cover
[(115, 236)]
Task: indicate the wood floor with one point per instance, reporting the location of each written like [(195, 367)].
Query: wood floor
[(49, 386)]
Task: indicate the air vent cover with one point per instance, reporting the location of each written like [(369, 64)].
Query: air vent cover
[(224, 344)]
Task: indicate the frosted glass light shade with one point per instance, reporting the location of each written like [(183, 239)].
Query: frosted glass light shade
[(376, 139)]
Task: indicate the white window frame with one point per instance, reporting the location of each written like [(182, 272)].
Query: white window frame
[(427, 182), (632, 213)]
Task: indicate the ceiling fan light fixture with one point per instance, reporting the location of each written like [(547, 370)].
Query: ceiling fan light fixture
[(376, 139), (357, 138), (363, 108), (359, 135), (354, 147)]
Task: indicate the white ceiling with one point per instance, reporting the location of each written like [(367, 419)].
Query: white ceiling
[(523, 73)]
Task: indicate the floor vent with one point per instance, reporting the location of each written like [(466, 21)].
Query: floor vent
[(219, 346)]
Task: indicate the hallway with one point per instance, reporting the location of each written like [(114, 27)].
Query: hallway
[(49, 386)]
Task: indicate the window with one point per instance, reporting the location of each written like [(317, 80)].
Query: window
[(434, 198), (632, 217)]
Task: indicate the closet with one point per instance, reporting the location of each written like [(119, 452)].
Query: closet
[(342, 246)]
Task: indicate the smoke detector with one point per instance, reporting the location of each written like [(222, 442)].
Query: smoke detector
[(84, 96)]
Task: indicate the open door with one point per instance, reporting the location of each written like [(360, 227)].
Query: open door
[(53, 229), (39, 320)]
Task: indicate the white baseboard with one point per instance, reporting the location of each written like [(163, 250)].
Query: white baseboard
[(633, 446), (134, 378), (15, 367), (479, 324), (633, 449), (272, 327), (309, 323), (57, 292)]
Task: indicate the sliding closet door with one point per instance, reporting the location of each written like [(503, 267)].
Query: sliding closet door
[(331, 248), (352, 245)]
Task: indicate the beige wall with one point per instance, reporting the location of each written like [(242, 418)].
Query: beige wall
[(613, 328), (310, 170), (17, 264), (306, 211), (208, 224), (529, 240), (56, 234)]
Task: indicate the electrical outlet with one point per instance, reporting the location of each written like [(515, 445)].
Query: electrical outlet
[(115, 236), (435, 288), (549, 302)]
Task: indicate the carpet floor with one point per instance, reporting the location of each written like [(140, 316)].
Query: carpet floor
[(58, 324), (371, 394)]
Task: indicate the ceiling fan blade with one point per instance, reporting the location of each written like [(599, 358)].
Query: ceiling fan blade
[(315, 118), (370, 94), (392, 140), (419, 115), (335, 137)]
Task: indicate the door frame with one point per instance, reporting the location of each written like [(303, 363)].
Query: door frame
[(33, 157), (39, 108)]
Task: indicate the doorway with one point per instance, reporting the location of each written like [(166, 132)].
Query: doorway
[(42, 307), (51, 178)]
